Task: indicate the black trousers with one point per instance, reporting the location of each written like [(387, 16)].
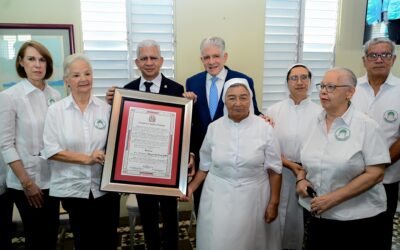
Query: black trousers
[(6, 210), (392, 194), (365, 234), (150, 206), (94, 222), (40, 224)]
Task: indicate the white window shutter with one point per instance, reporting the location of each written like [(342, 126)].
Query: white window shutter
[(111, 31), (153, 19), (282, 24), (297, 31)]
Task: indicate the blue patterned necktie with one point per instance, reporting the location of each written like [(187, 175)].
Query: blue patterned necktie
[(213, 97)]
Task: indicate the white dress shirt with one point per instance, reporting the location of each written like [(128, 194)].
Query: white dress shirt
[(384, 108), (333, 159), (23, 109), (67, 128), (155, 88)]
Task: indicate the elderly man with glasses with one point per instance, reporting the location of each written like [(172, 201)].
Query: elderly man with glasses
[(377, 94)]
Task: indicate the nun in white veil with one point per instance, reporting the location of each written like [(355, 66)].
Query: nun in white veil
[(241, 165), (293, 118)]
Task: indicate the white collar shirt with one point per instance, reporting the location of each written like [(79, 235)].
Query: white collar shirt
[(292, 124), (23, 110), (384, 108), (155, 87), (334, 159), (220, 82), (67, 128), (240, 152)]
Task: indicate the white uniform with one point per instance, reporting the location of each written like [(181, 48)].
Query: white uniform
[(292, 124), (333, 159), (23, 109), (384, 108), (237, 190), (67, 128)]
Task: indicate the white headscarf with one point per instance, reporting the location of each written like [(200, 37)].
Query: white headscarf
[(243, 82)]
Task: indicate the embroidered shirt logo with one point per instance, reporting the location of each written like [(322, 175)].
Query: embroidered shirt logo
[(50, 101), (390, 116), (342, 134), (100, 124)]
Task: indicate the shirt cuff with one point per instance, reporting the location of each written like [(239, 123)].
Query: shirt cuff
[(10, 155)]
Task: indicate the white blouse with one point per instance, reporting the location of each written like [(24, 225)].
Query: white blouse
[(23, 109), (384, 108), (67, 128), (333, 159), (292, 124), (249, 148)]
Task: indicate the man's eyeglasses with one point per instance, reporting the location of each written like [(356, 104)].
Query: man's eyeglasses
[(329, 87), (296, 78), (383, 56)]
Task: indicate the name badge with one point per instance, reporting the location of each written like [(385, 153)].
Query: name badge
[(100, 124), (342, 134), (390, 116)]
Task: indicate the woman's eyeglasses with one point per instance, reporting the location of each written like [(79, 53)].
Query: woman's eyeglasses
[(329, 87), (301, 77)]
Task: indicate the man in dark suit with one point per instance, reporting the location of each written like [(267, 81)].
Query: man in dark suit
[(149, 62), (213, 57)]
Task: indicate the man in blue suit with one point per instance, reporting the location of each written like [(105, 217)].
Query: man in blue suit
[(149, 62), (213, 57)]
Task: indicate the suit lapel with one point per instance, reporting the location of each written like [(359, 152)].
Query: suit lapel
[(164, 86)]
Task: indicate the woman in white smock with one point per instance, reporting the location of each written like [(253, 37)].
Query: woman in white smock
[(241, 159), (344, 161), (293, 117)]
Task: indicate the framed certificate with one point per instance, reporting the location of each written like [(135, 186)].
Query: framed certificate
[(148, 144)]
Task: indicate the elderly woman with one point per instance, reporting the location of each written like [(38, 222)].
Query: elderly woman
[(240, 158), (75, 136), (23, 110), (293, 117), (344, 160)]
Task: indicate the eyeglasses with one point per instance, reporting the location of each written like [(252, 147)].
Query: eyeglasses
[(383, 56), (329, 87), (296, 78)]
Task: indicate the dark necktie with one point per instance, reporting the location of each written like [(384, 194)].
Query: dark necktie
[(148, 85)]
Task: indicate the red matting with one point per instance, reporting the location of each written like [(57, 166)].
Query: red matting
[(118, 176)]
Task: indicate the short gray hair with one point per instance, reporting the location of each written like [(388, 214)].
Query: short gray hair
[(213, 40), (73, 58), (348, 76), (147, 43), (378, 40)]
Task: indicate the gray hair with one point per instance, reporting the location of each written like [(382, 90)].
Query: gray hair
[(213, 40), (378, 40), (73, 58), (147, 43), (347, 76)]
